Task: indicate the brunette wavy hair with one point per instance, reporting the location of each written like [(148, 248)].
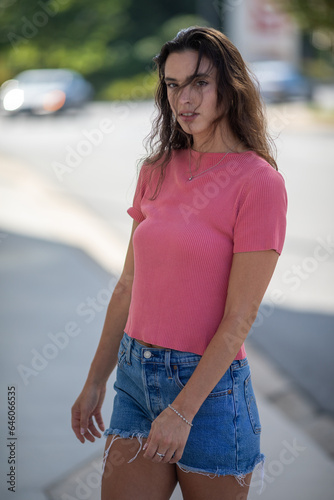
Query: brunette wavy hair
[(238, 97)]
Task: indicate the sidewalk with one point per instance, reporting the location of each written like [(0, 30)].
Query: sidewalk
[(56, 276)]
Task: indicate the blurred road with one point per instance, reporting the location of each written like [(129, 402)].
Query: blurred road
[(68, 180)]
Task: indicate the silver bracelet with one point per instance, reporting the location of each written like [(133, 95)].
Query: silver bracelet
[(179, 414)]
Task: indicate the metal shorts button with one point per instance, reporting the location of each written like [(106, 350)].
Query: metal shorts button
[(147, 354)]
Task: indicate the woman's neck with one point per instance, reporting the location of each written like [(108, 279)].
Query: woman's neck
[(221, 141), (236, 146)]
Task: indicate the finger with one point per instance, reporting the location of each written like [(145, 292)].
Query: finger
[(75, 422), (146, 445), (150, 453), (87, 435), (80, 437), (168, 456), (148, 440), (84, 422), (93, 430), (177, 455), (159, 457), (76, 429), (99, 421), (150, 449)]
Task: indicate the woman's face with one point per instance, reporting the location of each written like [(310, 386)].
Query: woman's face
[(194, 105)]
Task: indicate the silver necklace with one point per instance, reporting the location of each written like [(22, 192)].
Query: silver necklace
[(214, 166)]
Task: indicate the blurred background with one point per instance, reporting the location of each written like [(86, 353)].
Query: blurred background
[(76, 103)]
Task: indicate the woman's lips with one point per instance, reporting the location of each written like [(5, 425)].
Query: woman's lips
[(188, 116)]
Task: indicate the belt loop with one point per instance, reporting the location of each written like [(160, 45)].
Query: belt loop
[(167, 364), (128, 351)]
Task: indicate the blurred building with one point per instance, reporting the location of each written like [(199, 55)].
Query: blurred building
[(262, 32), (259, 29)]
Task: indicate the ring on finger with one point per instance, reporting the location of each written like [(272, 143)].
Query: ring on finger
[(160, 455)]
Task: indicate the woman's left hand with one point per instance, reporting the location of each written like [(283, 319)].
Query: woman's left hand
[(168, 437)]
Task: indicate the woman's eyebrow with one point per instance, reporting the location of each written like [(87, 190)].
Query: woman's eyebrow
[(197, 75)]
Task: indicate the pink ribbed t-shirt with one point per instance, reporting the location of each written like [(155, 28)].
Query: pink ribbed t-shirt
[(184, 244)]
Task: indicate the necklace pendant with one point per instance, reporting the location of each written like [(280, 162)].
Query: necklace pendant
[(190, 178)]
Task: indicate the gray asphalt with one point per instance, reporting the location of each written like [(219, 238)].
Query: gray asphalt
[(301, 344)]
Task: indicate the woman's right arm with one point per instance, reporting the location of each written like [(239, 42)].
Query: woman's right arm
[(89, 402)]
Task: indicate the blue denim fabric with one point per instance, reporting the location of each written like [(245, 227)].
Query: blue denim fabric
[(225, 437)]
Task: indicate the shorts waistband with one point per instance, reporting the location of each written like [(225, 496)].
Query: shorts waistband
[(165, 356)]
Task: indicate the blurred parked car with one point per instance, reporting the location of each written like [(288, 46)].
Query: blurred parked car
[(42, 91), (280, 81)]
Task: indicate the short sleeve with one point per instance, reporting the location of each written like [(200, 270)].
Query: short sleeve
[(261, 217), (135, 211)]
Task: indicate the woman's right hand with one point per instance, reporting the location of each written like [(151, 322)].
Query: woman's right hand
[(87, 406)]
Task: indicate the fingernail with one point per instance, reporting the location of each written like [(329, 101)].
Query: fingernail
[(145, 446), (82, 431)]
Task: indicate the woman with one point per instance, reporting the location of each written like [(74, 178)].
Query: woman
[(209, 224)]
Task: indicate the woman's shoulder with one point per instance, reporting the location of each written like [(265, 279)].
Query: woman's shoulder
[(262, 182), (253, 167)]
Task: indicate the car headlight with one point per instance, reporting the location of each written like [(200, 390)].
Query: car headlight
[(13, 99)]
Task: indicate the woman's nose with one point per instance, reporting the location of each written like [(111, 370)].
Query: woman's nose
[(185, 95)]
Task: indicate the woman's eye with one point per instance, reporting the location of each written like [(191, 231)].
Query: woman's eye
[(201, 83), (171, 85)]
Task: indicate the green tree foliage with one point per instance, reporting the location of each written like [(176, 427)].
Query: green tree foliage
[(312, 14), (61, 33), (106, 41), (316, 19)]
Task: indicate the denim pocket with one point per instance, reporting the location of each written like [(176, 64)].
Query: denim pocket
[(252, 406), (184, 372)]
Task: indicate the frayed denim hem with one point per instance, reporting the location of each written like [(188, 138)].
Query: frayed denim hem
[(258, 468), (119, 434)]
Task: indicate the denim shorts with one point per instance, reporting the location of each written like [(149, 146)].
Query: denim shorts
[(225, 437)]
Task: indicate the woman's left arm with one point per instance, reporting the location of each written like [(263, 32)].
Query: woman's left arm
[(249, 278)]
